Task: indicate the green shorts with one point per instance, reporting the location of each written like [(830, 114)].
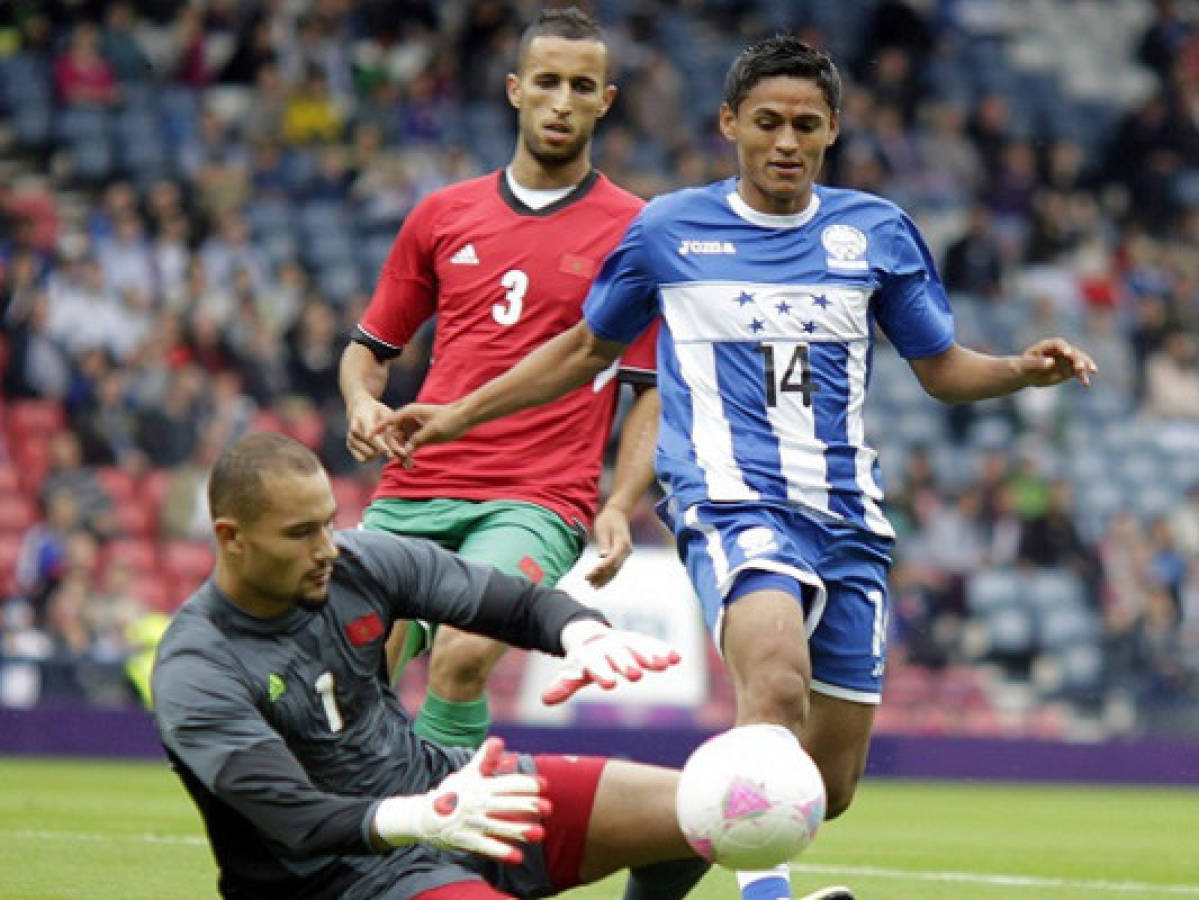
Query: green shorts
[(517, 538)]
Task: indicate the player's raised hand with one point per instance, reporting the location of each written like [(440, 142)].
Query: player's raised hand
[(361, 440), (417, 424), (1053, 361), (485, 807), (614, 541), (597, 654)]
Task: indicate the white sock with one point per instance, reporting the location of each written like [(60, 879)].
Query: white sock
[(764, 884)]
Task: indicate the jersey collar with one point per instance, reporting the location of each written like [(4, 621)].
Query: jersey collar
[(581, 190), (765, 220)]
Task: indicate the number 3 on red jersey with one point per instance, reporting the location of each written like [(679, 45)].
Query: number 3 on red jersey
[(516, 284)]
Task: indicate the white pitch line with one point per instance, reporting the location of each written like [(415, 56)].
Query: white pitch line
[(1023, 881), (179, 839), (994, 880)]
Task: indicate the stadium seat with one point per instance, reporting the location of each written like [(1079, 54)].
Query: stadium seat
[(31, 454), (120, 486), (992, 589), (1010, 631), (1062, 627), (187, 561), (139, 553), (17, 513), (26, 417), (307, 427), (10, 478), (347, 492), (153, 486), (157, 593), (1054, 589), (136, 517), (10, 552)]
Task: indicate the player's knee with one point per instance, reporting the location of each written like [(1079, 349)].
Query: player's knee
[(463, 662), (779, 693), (840, 792)]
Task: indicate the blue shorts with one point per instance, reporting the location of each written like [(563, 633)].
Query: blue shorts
[(843, 570)]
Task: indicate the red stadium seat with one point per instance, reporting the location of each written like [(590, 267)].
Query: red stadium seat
[(10, 478), (306, 427), (16, 514), (117, 483), (138, 553), (26, 417), (158, 593), (153, 486), (135, 517), (10, 552), (187, 561), (265, 420), (348, 494), (31, 455)]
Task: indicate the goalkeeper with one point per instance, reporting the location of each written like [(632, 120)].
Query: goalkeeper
[(271, 701)]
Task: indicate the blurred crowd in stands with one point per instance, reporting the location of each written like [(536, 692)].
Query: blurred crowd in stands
[(196, 198)]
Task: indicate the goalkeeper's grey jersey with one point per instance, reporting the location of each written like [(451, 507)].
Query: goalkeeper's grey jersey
[(286, 735)]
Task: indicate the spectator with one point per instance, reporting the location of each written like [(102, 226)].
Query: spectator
[(1184, 524), (974, 262), (42, 562), (124, 257), (107, 429), (167, 431), (36, 364), (82, 77), (1052, 539), (231, 249), (312, 114), (121, 46), (1172, 379), (183, 513), (68, 474), (314, 347)]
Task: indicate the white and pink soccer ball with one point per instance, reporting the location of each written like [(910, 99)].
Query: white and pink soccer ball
[(750, 798)]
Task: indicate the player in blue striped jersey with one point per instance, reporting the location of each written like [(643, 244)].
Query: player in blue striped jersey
[(769, 287)]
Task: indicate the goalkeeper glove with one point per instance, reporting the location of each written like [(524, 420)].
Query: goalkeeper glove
[(474, 809), (597, 654)]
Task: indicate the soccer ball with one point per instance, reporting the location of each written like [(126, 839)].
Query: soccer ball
[(750, 798)]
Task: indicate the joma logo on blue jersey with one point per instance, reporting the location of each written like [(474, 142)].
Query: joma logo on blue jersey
[(724, 248)]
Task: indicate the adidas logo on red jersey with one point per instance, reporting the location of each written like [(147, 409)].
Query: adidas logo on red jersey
[(465, 257)]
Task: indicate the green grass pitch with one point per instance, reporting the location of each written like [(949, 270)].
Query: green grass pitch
[(90, 829)]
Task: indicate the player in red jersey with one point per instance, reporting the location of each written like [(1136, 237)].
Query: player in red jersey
[(504, 262)]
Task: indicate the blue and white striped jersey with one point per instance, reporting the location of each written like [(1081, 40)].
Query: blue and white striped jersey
[(764, 354)]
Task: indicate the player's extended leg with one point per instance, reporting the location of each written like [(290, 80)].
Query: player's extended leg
[(766, 650), (633, 825), (837, 735), (518, 539)]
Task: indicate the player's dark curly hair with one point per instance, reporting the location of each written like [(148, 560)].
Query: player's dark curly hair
[(783, 54), (236, 486), (568, 22)]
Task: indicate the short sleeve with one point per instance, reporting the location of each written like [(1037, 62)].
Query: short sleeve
[(911, 306), (405, 295), (638, 364), (623, 299)]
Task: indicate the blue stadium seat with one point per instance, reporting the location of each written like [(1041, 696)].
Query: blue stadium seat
[(989, 590), (340, 282), (179, 108), (32, 123), (92, 160), (1010, 632), (1068, 626), (1054, 589), (78, 124)]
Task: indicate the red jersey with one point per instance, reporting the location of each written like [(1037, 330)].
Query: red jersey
[(502, 280)]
